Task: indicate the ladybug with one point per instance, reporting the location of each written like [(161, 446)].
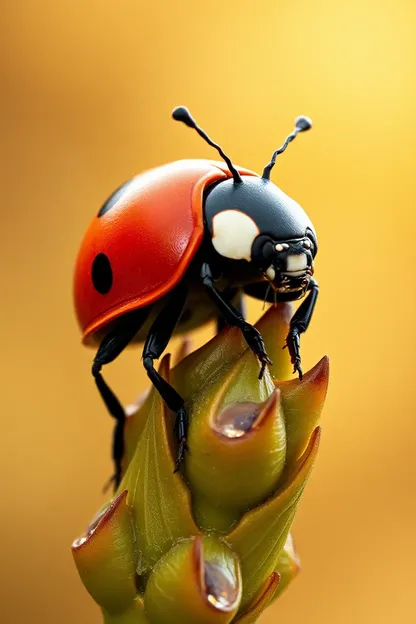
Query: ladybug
[(177, 246)]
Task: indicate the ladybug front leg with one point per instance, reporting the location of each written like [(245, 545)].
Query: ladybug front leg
[(238, 304), (233, 317), (156, 342), (299, 324)]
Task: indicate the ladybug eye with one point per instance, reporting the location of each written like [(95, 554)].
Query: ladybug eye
[(268, 251), (263, 251), (233, 234)]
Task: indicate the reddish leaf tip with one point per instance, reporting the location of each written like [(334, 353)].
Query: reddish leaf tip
[(99, 521)]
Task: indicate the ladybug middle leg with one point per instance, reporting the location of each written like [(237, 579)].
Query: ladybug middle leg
[(234, 317), (156, 342)]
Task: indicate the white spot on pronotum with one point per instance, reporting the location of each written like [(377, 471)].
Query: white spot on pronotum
[(233, 234), (271, 273), (297, 262), (281, 246), (307, 244)]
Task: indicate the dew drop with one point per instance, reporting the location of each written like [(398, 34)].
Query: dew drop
[(220, 586), (235, 420)]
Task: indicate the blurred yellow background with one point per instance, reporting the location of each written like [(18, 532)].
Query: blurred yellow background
[(89, 87)]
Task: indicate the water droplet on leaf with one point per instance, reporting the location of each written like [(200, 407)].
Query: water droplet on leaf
[(234, 421), (220, 587)]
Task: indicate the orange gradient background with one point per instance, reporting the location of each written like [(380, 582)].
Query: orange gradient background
[(88, 91)]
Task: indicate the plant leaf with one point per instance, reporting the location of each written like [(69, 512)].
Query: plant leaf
[(198, 580), (261, 601), (105, 557), (262, 533), (302, 403), (158, 497), (222, 456)]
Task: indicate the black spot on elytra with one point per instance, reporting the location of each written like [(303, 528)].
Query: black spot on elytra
[(113, 199), (102, 274)]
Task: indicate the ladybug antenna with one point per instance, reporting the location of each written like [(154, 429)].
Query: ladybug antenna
[(301, 124), (180, 113)]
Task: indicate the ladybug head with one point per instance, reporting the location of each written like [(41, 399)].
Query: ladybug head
[(250, 219)]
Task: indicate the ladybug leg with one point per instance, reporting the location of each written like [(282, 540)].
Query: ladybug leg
[(111, 346), (299, 324), (238, 305), (234, 317), (156, 342)]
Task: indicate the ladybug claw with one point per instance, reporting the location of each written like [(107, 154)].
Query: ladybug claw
[(298, 369), (183, 447), (262, 369), (181, 428), (264, 359)]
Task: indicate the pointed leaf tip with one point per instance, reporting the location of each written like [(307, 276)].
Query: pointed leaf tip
[(100, 520), (105, 556), (242, 418), (268, 409), (261, 601), (317, 377), (302, 404)]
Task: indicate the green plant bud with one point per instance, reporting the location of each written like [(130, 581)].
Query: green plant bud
[(237, 446), (158, 497), (216, 357), (211, 542), (198, 580), (288, 566), (261, 601), (262, 533), (105, 556), (302, 405)]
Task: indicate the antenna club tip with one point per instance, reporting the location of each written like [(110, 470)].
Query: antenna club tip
[(303, 123), (181, 113)]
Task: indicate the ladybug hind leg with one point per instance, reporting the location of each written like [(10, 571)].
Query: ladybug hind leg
[(111, 347), (156, 342)]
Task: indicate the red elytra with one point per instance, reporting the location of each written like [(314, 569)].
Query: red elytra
[(150, 236)]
